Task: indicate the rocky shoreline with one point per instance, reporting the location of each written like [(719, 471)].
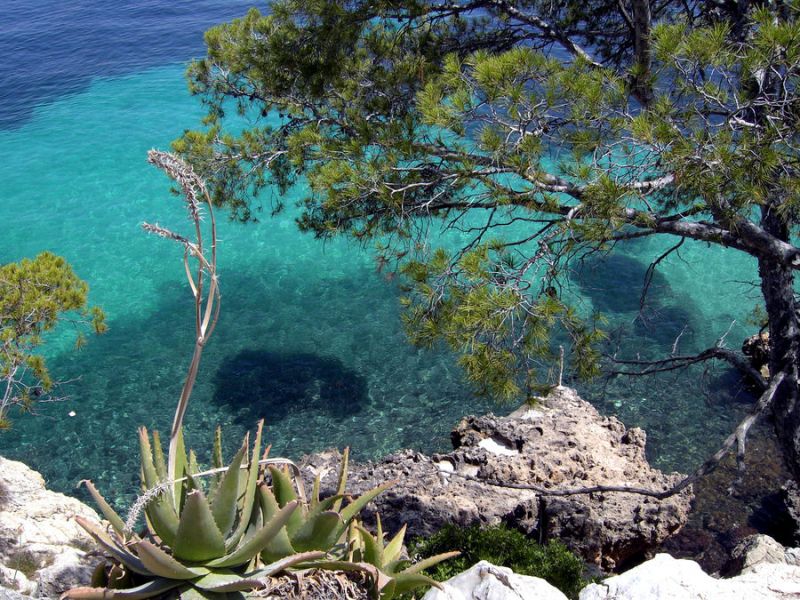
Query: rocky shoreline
[(561, 444)]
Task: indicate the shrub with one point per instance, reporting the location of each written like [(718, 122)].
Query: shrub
[(503, 546)]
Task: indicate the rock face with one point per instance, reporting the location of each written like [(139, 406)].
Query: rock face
[(43, 551), (484, 581), (761, 549), (563, 443), (666, 577)]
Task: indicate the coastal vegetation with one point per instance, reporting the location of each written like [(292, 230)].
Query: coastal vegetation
[(544, 133), (35, 296), (232, 528)]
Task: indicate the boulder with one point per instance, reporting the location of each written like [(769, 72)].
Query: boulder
[(43, 551), (761, 549), (485, 581), (562, 443), (790, 494), (665, 577)]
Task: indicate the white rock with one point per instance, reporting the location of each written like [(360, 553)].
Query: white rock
[(762, 549), (38, 530), (497, 447), (667, 578), (484, 581)]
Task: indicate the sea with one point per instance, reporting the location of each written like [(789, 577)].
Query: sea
[(310, 336)]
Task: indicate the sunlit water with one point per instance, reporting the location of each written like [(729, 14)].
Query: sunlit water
[(309, 336)]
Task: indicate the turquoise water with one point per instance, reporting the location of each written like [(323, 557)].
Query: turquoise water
[(309, 336)]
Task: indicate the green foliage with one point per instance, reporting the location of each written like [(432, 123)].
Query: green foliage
[(505, 547), (399, 576), (231, 528), (35, 296), (539, 132)]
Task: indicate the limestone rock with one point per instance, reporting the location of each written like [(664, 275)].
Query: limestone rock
[(485, 581), (665, 577), (43, 551), (563, 443), (761, 549)]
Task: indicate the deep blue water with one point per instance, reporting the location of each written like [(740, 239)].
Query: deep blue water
[(310, 336)]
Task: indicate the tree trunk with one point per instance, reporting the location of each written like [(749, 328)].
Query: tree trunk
[(777, 286), (641, 16)]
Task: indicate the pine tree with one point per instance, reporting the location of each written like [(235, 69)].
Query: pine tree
[(590, 123)]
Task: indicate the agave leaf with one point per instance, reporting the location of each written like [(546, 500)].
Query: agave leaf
[(193, 468), (373, 548), (233, 582), (160, 511), (342, 478), (146, 590), (198, 538), (181, 469), (216, 455), (429, 562), (223, 499), (279, 546), (116, 549), (284, 492), (162, 564), (393, 549), (356, 506), (314, 493), (187, 592), (109, 513), (249, 496), (318, 533), (405, 582), (158, 457), (282, 486), (256, 544)]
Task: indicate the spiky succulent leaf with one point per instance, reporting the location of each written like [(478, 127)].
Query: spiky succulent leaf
[(248, 498), (224, 497), (372, 551), (198, 537), (216, 455), (146, 590), (405, 582), (160, 510), (320, 532), (109, 513), (258, 542), (342, 479), (162, 564), (233, 582), (357, 505), (393, 549), (430, 561), (279, 546), (158, 457), (114, 547), (181, 470)]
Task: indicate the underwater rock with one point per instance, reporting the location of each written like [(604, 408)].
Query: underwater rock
[(667, 577), (562, 443), (43, 551)]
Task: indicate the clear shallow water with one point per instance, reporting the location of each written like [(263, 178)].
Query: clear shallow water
[(309, 336)]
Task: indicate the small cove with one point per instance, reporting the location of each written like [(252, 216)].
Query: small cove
[(310, 335)]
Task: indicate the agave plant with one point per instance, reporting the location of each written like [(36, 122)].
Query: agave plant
[(195, 542), (391, 574)]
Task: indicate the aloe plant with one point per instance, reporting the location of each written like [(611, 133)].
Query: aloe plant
[(196, 542), (391, 574)]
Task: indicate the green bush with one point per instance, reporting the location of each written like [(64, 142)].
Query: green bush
[(505, 547)]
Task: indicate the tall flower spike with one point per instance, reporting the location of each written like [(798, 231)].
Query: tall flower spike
[(192, 185)]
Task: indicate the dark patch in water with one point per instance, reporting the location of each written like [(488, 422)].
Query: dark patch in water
[(259, 383)]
